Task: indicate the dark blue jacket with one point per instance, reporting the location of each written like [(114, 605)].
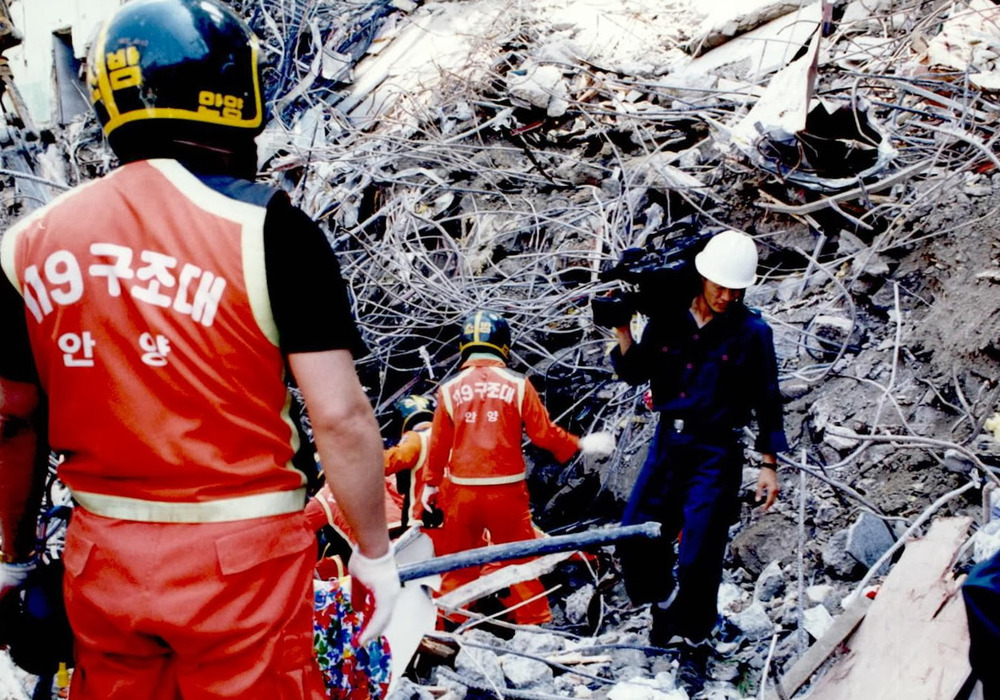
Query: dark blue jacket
[(715, 378)]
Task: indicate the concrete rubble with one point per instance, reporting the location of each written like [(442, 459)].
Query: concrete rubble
[(492, 154)]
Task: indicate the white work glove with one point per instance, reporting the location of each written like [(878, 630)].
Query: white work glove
[(14, 574), (374, 589), (597, 445), (429, 497)]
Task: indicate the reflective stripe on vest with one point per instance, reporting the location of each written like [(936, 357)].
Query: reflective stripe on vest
[(259, 505), (518, 380), (416, 507), (486, 480)]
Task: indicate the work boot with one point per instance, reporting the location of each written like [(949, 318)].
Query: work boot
[(693, 666), (663, 632)]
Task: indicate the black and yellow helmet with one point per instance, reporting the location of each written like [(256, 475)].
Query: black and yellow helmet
[(160, 67), (414, 409), (485, 331)]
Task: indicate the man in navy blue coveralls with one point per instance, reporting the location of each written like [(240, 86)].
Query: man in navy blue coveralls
[(981, 592), (711, 364)]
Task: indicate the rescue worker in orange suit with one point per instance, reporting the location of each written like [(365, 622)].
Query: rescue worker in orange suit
[(158, 311), (406, 459), (476, 437)]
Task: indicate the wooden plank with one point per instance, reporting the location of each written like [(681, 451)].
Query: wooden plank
[(843, 626), (914, 641)]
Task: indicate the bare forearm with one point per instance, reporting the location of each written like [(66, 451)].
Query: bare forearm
[(348, 442), (352, 463)]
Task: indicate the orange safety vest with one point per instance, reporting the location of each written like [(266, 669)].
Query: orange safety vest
[(479, 422), (151, 328)]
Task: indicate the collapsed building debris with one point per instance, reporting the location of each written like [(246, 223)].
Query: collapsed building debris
[(913, 640), (469, 155)]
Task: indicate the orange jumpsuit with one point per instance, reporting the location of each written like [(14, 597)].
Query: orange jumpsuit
[(188, 565), (476, 435)]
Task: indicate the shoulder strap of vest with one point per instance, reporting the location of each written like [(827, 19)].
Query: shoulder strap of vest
[(425, 439), (446, 397)]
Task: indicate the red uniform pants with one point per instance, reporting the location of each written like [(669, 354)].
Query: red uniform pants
[(194, 611), (503, 512)]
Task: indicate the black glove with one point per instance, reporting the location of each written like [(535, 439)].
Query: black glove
[(432, 518)]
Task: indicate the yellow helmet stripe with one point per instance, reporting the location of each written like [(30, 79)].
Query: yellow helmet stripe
[(257, 94), (173, 113), (475, 330), (103, 82)]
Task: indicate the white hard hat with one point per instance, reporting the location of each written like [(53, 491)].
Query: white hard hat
[(729, 259)]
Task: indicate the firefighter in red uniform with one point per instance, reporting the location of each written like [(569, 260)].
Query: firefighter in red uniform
[(158, 311), (476, 440)]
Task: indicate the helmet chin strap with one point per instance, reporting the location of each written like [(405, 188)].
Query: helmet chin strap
[(206, 147), (238, 160)]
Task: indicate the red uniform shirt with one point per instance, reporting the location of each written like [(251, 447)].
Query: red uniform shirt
[(479, 422), (150, 287)]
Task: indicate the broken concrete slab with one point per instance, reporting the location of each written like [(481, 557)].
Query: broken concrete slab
[(835, 557), (753, 622), (969, 42), (770, 583), (523, 673), (782, 110), (646, 689), (760, 52), (440, 46), (817, 621), (726, 21), (481, 666), (32, 63)]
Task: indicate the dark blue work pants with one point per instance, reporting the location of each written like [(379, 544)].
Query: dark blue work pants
[(690, 486), (981, 592)]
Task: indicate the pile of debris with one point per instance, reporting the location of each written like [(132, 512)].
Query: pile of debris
[(498, 155)]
